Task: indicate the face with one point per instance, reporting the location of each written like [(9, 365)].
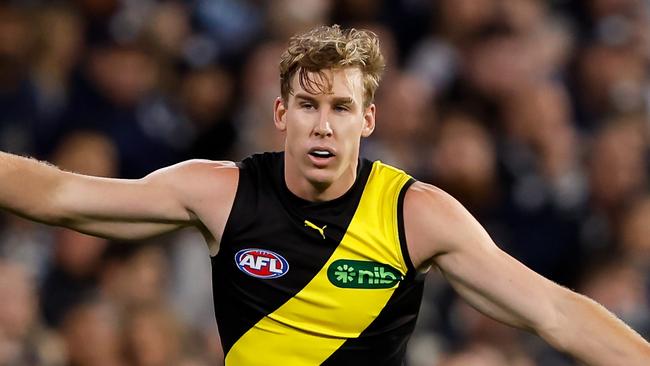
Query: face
[(323, 133)]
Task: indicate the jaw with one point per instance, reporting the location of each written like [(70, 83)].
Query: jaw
[(320, 175), (320, 178), (315, 183)]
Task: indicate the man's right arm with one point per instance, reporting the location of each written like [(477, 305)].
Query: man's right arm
[(114, 208)]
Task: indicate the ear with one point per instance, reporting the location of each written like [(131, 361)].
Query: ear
[(279, 114), (368, 121)]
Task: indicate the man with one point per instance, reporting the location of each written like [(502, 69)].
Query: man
[(318, 255)]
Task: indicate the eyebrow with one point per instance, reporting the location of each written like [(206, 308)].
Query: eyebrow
[(335, 100)]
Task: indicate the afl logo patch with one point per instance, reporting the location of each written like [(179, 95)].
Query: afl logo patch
[(261, 263)]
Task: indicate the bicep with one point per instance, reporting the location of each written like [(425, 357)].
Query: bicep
[(444, 234), (498, 285), (84, 198), (195, 193), (126, 231), (166, 196)]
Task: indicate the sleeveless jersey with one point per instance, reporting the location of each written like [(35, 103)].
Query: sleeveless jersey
[(310, 283)]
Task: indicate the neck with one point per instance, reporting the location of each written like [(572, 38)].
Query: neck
[(316, 191)]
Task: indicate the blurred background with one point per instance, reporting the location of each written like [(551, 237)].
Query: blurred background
[(534, 114)]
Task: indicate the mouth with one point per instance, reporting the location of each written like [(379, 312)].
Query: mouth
[(321, 152), (321, 156)]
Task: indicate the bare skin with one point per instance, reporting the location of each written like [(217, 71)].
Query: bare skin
[(334, 121), (195, 193), (440, 232)]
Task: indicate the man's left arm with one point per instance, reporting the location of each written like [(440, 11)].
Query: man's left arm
[(440, 232)]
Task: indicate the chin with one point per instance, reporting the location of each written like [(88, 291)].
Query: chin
[(320, 177)]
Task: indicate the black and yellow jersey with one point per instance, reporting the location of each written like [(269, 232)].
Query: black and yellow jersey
[(310, 283)]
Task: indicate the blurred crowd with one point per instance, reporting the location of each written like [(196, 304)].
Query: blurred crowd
[(533, 113)]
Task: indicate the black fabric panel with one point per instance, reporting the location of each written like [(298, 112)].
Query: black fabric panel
[(266, 215)]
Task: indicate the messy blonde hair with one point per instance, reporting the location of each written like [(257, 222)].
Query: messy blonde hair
[(328, 47)]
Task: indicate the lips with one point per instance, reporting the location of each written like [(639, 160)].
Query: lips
[(322, 152), (321, 156)]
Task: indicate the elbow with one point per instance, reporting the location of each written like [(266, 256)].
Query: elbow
[(48, 214), (42, 203), (553, 327), (52, 211), (554, 335), (58, 207)]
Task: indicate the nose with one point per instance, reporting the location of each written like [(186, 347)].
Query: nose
[(323, 128)]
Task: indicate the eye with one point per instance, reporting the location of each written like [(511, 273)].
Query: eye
[(341, 108), (307, 105)]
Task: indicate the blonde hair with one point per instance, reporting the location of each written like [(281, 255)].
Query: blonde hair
[(328, 47)]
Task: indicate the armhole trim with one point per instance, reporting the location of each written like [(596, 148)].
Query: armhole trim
[(233, 210), (400, 227)]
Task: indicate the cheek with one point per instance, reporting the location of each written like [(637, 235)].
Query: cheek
[(299, 121), (350, 135), (294, 129), (355, 127)]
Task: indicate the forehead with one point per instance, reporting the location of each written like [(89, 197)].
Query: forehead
[(345, 82)]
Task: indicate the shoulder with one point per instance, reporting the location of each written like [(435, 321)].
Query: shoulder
[(195, 170), (435, 223), (421, 196), (214, 169), (197, 178), (427, 202)]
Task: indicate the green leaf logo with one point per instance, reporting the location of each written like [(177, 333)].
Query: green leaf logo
[(345, 274)]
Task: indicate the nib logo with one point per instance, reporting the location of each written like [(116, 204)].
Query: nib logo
[(362, 274)]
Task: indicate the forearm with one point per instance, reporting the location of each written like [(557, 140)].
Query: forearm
[(27, 186), (593, 335)]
